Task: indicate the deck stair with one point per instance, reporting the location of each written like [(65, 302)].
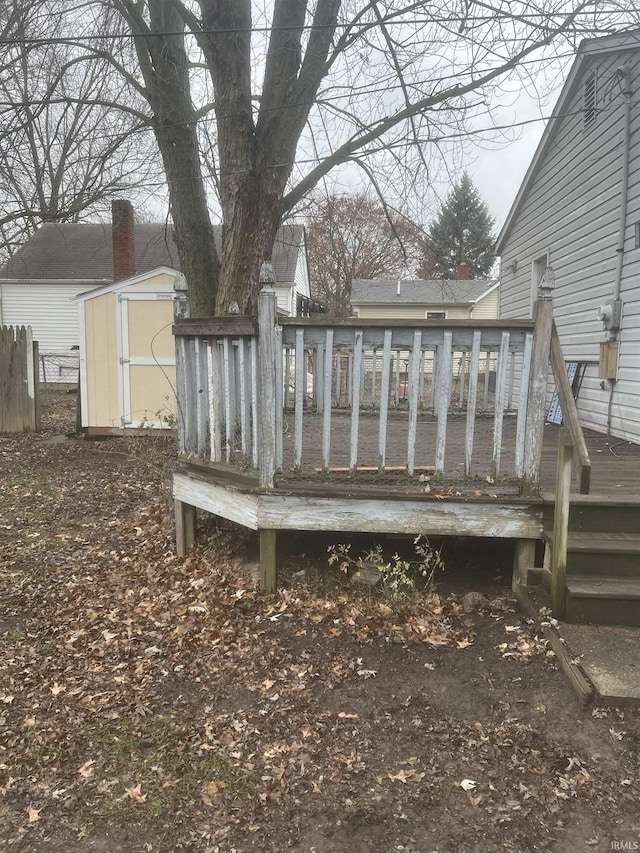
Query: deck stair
[(603, 562)]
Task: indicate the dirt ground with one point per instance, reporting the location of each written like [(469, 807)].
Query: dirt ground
[(150, 703)]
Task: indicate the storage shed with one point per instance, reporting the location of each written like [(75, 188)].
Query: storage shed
[(127, 354)]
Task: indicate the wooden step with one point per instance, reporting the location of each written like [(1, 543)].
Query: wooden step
[(608, 513), (597, 554), (603, 600)]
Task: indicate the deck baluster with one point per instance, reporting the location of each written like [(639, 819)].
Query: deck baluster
[(472, 400), (412, 379), (443, 397), (299, 386), (358, 372), (215, 399), (326, 415), (500, 400), (523, 399), (385, 390)]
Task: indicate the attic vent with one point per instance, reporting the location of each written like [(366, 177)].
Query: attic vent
[(589, 101)]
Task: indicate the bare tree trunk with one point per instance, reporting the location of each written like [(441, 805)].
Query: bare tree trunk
[(252, 217), (164, 64)]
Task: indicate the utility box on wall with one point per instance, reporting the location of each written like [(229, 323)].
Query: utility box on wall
[(608, 360)]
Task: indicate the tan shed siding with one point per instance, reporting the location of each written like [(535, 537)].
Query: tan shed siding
[(152, 394), (150, 333), (487, 308), (572, 210), (102, 361)]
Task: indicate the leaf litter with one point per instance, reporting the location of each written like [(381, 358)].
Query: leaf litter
[(153, 703)]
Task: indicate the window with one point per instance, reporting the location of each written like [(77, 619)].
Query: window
[(436, 315), (589, 111), (637, 233)]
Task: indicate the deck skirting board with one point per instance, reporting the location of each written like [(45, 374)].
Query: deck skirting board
[(225, 501), (272, 511)]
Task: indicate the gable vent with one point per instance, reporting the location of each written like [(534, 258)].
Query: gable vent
[(589, 101)]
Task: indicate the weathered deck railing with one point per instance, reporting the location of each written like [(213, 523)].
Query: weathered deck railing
[(571, 444), (244, 384)]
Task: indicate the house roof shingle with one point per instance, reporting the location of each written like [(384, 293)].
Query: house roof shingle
[(83, 251), (419, 292)]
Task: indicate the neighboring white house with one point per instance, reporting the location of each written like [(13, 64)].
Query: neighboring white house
[(60, 261), (578, 213), (461, 299)]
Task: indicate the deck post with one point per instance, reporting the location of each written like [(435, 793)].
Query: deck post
[(267, 377), (185, 527), (268, 562), (524, 560), (561, 524), (536, 405)]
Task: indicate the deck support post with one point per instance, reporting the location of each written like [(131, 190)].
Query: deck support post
[(268, 562), (561, 525), (268, 419), (185, 527), (524, 560), (536, 407)]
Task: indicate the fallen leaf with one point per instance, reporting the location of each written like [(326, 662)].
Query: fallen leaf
[(399, 777), (86, 771), (468, 784), (136, 793), (34, 814), (344, 716)]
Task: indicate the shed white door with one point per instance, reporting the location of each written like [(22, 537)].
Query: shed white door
[(147, 360)]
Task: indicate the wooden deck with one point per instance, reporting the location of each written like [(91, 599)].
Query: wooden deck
[(615, 463), (615, 466), (392, 427)]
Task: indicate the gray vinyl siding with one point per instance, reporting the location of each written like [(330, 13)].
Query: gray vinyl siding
[(572, 210)]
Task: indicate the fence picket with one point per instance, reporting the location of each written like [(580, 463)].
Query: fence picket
[(19, 387)]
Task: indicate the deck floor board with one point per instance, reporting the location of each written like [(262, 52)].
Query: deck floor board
[(615, 463)]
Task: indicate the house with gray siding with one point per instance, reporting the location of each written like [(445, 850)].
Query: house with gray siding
[(577, 216)]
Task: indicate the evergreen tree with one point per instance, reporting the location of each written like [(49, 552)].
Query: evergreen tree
[(462, 231)]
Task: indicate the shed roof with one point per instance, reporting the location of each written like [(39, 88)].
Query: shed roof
[(587, 50), (420, 292), (72, 251)]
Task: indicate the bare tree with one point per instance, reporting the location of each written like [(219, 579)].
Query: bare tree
[(64, 149), (304, 87), (353, 236)]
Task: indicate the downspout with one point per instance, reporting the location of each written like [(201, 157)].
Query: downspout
[(623, 73)]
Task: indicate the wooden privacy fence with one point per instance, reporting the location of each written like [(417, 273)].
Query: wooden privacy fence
[(290, 396), (19, 403)]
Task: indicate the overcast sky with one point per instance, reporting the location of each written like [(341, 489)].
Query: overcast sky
[(499, 173)]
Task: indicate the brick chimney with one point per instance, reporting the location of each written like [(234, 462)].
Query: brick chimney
[(463, 271), (124, 264)]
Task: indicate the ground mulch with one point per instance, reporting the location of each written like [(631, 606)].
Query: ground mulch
[(152, 703)]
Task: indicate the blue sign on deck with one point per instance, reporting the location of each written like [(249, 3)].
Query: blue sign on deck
[(554, 416)]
